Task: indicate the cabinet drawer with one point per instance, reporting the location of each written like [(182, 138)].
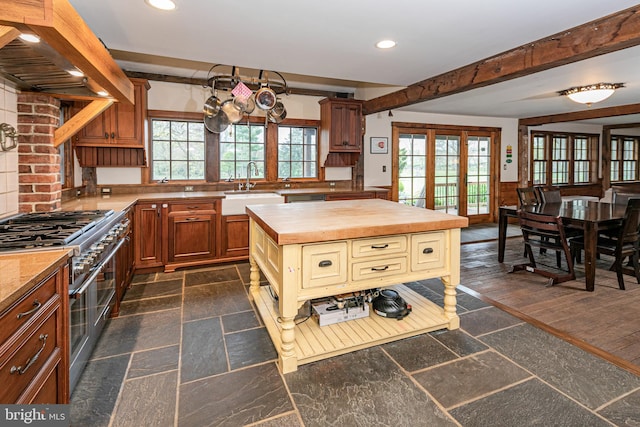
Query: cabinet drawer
[(28, 357), (371, 270), (427, 251), (379, 246), (324, 265), (26, 308), (195, 206)]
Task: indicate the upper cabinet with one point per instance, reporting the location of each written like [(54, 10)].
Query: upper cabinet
[(341, 130), (121, 125)]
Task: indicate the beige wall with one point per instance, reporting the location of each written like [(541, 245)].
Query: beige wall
[(8, 159)]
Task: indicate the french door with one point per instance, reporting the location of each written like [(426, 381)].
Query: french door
[(447, 169)]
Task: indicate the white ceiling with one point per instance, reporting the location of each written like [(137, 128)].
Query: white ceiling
[(333, 40)]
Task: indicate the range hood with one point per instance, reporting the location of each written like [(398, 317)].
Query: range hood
[(66, 42)]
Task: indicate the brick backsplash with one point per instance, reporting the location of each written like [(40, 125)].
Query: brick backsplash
[(8, 159)]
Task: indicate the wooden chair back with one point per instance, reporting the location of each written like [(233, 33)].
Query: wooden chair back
[(549, 195), (622, 198), (528, 196)]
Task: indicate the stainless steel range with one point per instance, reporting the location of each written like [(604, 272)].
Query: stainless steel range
[(95, 237)]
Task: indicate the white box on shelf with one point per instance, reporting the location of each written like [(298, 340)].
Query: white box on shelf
[(327, 316)]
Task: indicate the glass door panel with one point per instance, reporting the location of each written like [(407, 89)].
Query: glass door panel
[(412, 170), (447, 174), (478, 175)]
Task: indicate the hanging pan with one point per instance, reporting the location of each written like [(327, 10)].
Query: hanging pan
[(278, 113), (232, 111), (217, 123)]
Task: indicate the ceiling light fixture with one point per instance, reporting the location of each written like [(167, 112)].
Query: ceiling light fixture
[(385, 44), (30, 38), (590, 94), (161, 4)]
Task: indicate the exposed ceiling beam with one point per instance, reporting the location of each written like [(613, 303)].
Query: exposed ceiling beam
[(203, 83), (60, 26), (611, 33), (7, 35), (621, 110)]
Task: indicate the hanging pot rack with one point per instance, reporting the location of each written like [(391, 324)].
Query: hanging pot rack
[(228, 80)]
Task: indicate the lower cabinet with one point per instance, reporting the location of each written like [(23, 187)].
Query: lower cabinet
[(192, 236), (235, 236), (34, 365), (125, 265), (148, 235)]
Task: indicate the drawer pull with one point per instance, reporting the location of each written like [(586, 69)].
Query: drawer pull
[(36, 306), (325, 263), (386, 245), (427, 251), (192, 207), (20, 370), (386, 267), (191, 218)]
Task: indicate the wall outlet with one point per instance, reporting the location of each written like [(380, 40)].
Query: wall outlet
[(287, 185), (106, 190), (188, 188), (332, 184), (384, 168)]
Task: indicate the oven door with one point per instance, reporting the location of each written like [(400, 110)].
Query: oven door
[(90, 306)]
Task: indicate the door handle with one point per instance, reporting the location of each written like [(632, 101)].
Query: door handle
[(19, 369)]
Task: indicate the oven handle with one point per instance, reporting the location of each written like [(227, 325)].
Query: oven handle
[(77, 293)]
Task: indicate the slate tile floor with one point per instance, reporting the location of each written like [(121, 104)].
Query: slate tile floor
[(188, 350)]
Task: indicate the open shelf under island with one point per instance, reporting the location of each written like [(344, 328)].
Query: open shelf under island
[(319, 249)]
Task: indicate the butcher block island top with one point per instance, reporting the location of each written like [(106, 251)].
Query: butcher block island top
[(314, 250), (326, 221)]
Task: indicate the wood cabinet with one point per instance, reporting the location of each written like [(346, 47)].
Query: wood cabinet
[(148, 235), (341, 121), (34, 365), (192, 233), (121, 125), (235, 237)]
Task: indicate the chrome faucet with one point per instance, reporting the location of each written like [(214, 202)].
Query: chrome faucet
[(249, 185)]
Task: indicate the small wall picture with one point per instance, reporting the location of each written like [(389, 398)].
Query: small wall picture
[(379, 145)]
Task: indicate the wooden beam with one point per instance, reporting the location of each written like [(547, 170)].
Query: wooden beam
[(60, 26), (621, 110), (80, 120), (611, 33), (7, 35)]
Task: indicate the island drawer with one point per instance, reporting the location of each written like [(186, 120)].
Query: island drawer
[(26, 308), (324, 264), (378, 268), (385, 245), (428, 251)]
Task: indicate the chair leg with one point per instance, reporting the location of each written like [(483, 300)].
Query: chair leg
[(617, 266)]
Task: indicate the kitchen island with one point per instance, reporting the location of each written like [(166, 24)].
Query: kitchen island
[(317, 249)]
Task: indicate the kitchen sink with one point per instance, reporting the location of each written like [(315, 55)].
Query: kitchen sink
[(235, 202)]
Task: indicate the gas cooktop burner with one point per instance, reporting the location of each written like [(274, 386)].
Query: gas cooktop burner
[(42, 229)]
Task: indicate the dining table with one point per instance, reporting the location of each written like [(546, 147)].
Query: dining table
[(590, 216)]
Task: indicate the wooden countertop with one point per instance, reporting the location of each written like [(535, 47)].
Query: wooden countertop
[(22, 270), (326, 221)]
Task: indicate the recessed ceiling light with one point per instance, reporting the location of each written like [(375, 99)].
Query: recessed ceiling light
[(31, 38), (385, 44), (161, 4), (103, 93), (76, 73)]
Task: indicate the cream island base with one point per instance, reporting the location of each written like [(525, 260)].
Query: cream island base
[(319, 249)]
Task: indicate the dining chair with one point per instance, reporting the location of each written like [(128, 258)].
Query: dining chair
[(625, 244), (622, 198), (545, 232), (549, 195)]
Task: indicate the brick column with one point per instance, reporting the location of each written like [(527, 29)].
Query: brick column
[(38, 160)]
